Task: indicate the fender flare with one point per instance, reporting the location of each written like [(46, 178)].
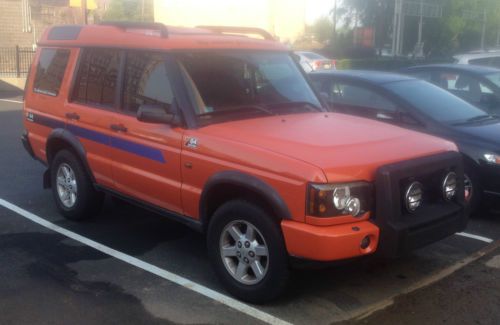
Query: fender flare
[(247, 182), (74, 143)]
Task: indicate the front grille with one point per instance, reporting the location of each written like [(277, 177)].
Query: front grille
[(396, 223)]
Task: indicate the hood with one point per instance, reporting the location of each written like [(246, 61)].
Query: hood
[(487, 133), (345, 147)]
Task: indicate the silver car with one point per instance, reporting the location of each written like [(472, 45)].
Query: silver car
[(310, 61), (484, 58)]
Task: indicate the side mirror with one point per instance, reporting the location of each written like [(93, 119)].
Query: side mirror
[(158, 114)]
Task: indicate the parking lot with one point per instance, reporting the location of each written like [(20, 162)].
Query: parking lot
[(130, 266)]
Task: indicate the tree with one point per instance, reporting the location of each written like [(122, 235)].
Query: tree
[(129, 10)]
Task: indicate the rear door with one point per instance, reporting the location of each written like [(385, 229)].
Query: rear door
[(92, 107), (146, 157)]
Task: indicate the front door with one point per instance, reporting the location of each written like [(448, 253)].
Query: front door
[(146, 157)]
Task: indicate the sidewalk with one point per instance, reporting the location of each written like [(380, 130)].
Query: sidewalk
[(469, 296)]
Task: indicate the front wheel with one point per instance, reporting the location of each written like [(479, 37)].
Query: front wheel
[(248, 252)]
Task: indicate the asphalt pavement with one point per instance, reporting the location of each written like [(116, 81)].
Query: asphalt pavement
[(158, 271)]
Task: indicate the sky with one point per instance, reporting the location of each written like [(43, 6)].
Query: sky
[(318, 8)]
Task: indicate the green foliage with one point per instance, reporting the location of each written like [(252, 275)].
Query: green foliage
[(388, 64), (129, 10), (442, 37)]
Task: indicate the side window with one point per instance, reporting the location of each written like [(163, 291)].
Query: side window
[(146, 81), (353, 95), (97, 77), (50, 71), (462, 85)]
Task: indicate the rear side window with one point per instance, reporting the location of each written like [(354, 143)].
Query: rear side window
[(146, 81), (50, 71), (97, 76)]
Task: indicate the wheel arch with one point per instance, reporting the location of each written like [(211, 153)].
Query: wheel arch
[(60, 139), (229, 185)]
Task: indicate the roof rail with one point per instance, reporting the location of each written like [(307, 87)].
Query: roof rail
[(239, 30), (138, 25)]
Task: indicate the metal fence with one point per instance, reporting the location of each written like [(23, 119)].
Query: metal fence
[(15, 61)]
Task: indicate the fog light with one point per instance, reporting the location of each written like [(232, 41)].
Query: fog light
[(353, 206), (340, 197), (450, 186), (413, 197), (365, 242)]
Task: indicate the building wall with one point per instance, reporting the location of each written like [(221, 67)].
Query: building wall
[(283, 18), (11, 31)]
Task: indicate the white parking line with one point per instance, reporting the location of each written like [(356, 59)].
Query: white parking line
[(209, 293), (11, 101), (477, 237)]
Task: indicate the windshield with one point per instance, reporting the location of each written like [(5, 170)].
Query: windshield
[(494, 78), (433, 101), (242, 83)]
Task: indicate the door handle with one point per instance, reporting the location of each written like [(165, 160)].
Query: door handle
[(118, 128), (72, 116)]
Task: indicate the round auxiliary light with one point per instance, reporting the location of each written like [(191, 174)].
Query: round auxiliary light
[(450, 186), (413, 197), (353, 206), (340, 196)]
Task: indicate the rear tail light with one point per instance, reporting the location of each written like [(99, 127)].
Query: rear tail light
[(334, 64), (316, 64)]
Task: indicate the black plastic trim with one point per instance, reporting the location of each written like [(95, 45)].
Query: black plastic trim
[(247, 182), (191, 223), (74, 143), (400, 231)]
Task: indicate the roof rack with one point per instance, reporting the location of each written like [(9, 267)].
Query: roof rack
[(239, 30), (162, 29)]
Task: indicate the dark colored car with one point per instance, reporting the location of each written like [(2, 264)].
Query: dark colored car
[(419, 105), (478, 85)]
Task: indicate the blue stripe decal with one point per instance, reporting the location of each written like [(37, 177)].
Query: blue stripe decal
[(121, 144), (138, 149)]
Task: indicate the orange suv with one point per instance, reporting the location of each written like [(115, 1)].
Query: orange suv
[(223, 133)]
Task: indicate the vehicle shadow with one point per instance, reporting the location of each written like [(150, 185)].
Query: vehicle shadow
[(9, 91), (38, 278)]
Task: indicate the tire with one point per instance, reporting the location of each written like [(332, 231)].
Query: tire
[(474, 203), (252, 288), (82, 200)]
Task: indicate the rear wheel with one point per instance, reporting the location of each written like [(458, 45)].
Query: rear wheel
[(248, 252), (72, 188)]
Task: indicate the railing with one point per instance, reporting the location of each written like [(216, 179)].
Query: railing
[(15, 61)]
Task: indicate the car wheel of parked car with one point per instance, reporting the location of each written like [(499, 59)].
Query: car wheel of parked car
[(73, 192), (247, 250), (472, 191)]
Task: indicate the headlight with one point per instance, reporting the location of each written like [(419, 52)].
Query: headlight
[(492, 158), (330, 200), (450, 186), (413, 196)]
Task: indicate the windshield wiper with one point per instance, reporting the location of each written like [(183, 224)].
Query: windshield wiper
[(238, 109), (309, 106), (478, 118)]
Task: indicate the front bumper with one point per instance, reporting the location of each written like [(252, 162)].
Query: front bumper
[(329, 243), (392, 231)]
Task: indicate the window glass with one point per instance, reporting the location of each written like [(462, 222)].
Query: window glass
[(146, 81), (234, 82), (352, 95), (462, 85), (50, 71), (97, 77), (313, 56), (494, 78), (433, 101)]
